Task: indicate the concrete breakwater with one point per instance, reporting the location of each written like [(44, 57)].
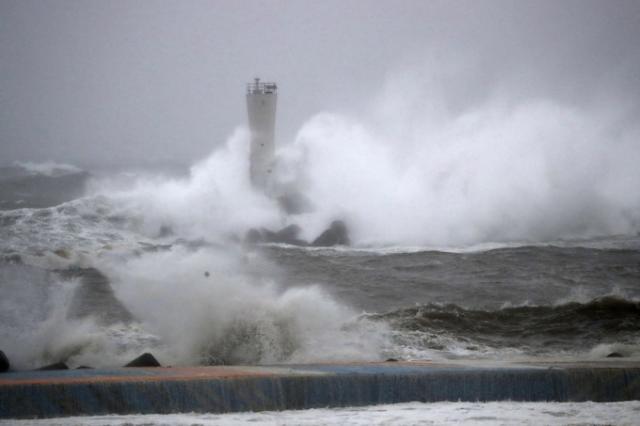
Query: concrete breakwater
[(31, 394)]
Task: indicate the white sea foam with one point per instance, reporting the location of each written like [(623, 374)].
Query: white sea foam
[(413, 413), (37, 329), (48, 168), (191, 306), (214, 305), (215, 201)]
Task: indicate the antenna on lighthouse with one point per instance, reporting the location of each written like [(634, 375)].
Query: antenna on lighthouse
[(261, 108)]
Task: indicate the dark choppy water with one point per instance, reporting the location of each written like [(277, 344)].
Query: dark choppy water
[(97, 280), (484, 279), (528, 300)]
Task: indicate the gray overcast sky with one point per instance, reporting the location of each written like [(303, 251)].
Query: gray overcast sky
[(123, 82)]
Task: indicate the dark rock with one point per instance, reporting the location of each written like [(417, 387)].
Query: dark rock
[(4, 362), (144, 360), (337, 234), (287, 235), (391, 360), (84, 367), (56, 366), (615, 355)]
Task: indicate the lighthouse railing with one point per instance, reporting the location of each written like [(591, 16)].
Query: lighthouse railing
[(260, 88)]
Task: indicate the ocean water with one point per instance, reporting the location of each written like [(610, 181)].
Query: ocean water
[(97, 268), (415, 413), (149, 262)]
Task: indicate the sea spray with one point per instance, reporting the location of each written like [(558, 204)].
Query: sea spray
[(214, 202), (37, 329), (196, 295), (416, 171), (189, 307), (220, 306)]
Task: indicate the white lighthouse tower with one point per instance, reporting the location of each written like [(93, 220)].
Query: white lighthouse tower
[(261, 106)]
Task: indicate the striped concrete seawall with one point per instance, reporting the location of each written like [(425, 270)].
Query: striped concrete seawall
[(31, 394)]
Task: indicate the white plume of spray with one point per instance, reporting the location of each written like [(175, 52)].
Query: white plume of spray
[(211, 306), (414, 171), (236, 312), (190, 307), (37, 329), (216, 199)]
